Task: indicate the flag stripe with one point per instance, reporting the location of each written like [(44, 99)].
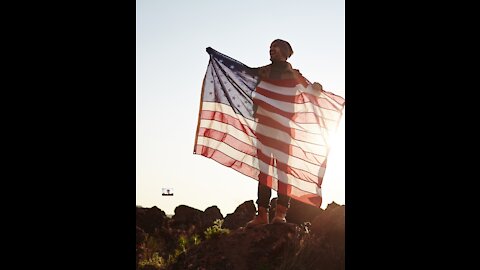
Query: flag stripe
[(248, 124), (230, 130), (287, 83), (334, 99), (295, 164), (227, 119), (286, 138), (228, 139), (226, 160), (305, 196), (247, 144), (225, 109), (302, 117), (309, 128), (301, 135), (288, 172), (294, 150), (266, 132), (273, 86), (299, 97), (291, 108)]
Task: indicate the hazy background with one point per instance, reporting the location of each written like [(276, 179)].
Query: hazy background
[(171, 62)]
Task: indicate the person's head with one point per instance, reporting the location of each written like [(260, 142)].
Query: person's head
[(280, 50)]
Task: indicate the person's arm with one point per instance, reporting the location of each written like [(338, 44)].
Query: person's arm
[(261, 72), (253, 71)]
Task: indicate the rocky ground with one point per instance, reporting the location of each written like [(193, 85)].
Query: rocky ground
[(312, 238)]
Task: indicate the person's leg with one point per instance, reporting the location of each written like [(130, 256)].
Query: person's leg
[(263, 202), (283, 200), (264, 194), (283, 203)]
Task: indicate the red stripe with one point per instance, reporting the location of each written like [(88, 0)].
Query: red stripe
[(301, 98), (228, 139), (227, 161), (227, 119)]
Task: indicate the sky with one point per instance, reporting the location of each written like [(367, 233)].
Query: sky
[(171, 61)]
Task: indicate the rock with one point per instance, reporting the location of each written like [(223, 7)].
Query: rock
[(193, 220), (149, 219), (331, 220), (263, 247), (186, 218), (210, 214), (242, 214), (298, 212), (271, 246), (330, 226)]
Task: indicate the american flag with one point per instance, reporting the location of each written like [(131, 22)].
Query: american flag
[(279, 128)]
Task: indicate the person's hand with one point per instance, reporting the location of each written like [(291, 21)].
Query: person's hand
[(317, 86)]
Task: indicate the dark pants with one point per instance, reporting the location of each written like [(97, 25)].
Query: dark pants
[(264, 194)]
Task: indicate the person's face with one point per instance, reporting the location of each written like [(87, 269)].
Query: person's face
[(276, 54)]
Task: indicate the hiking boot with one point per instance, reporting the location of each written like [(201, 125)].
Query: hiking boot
[(260, 219), (280, 214)]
